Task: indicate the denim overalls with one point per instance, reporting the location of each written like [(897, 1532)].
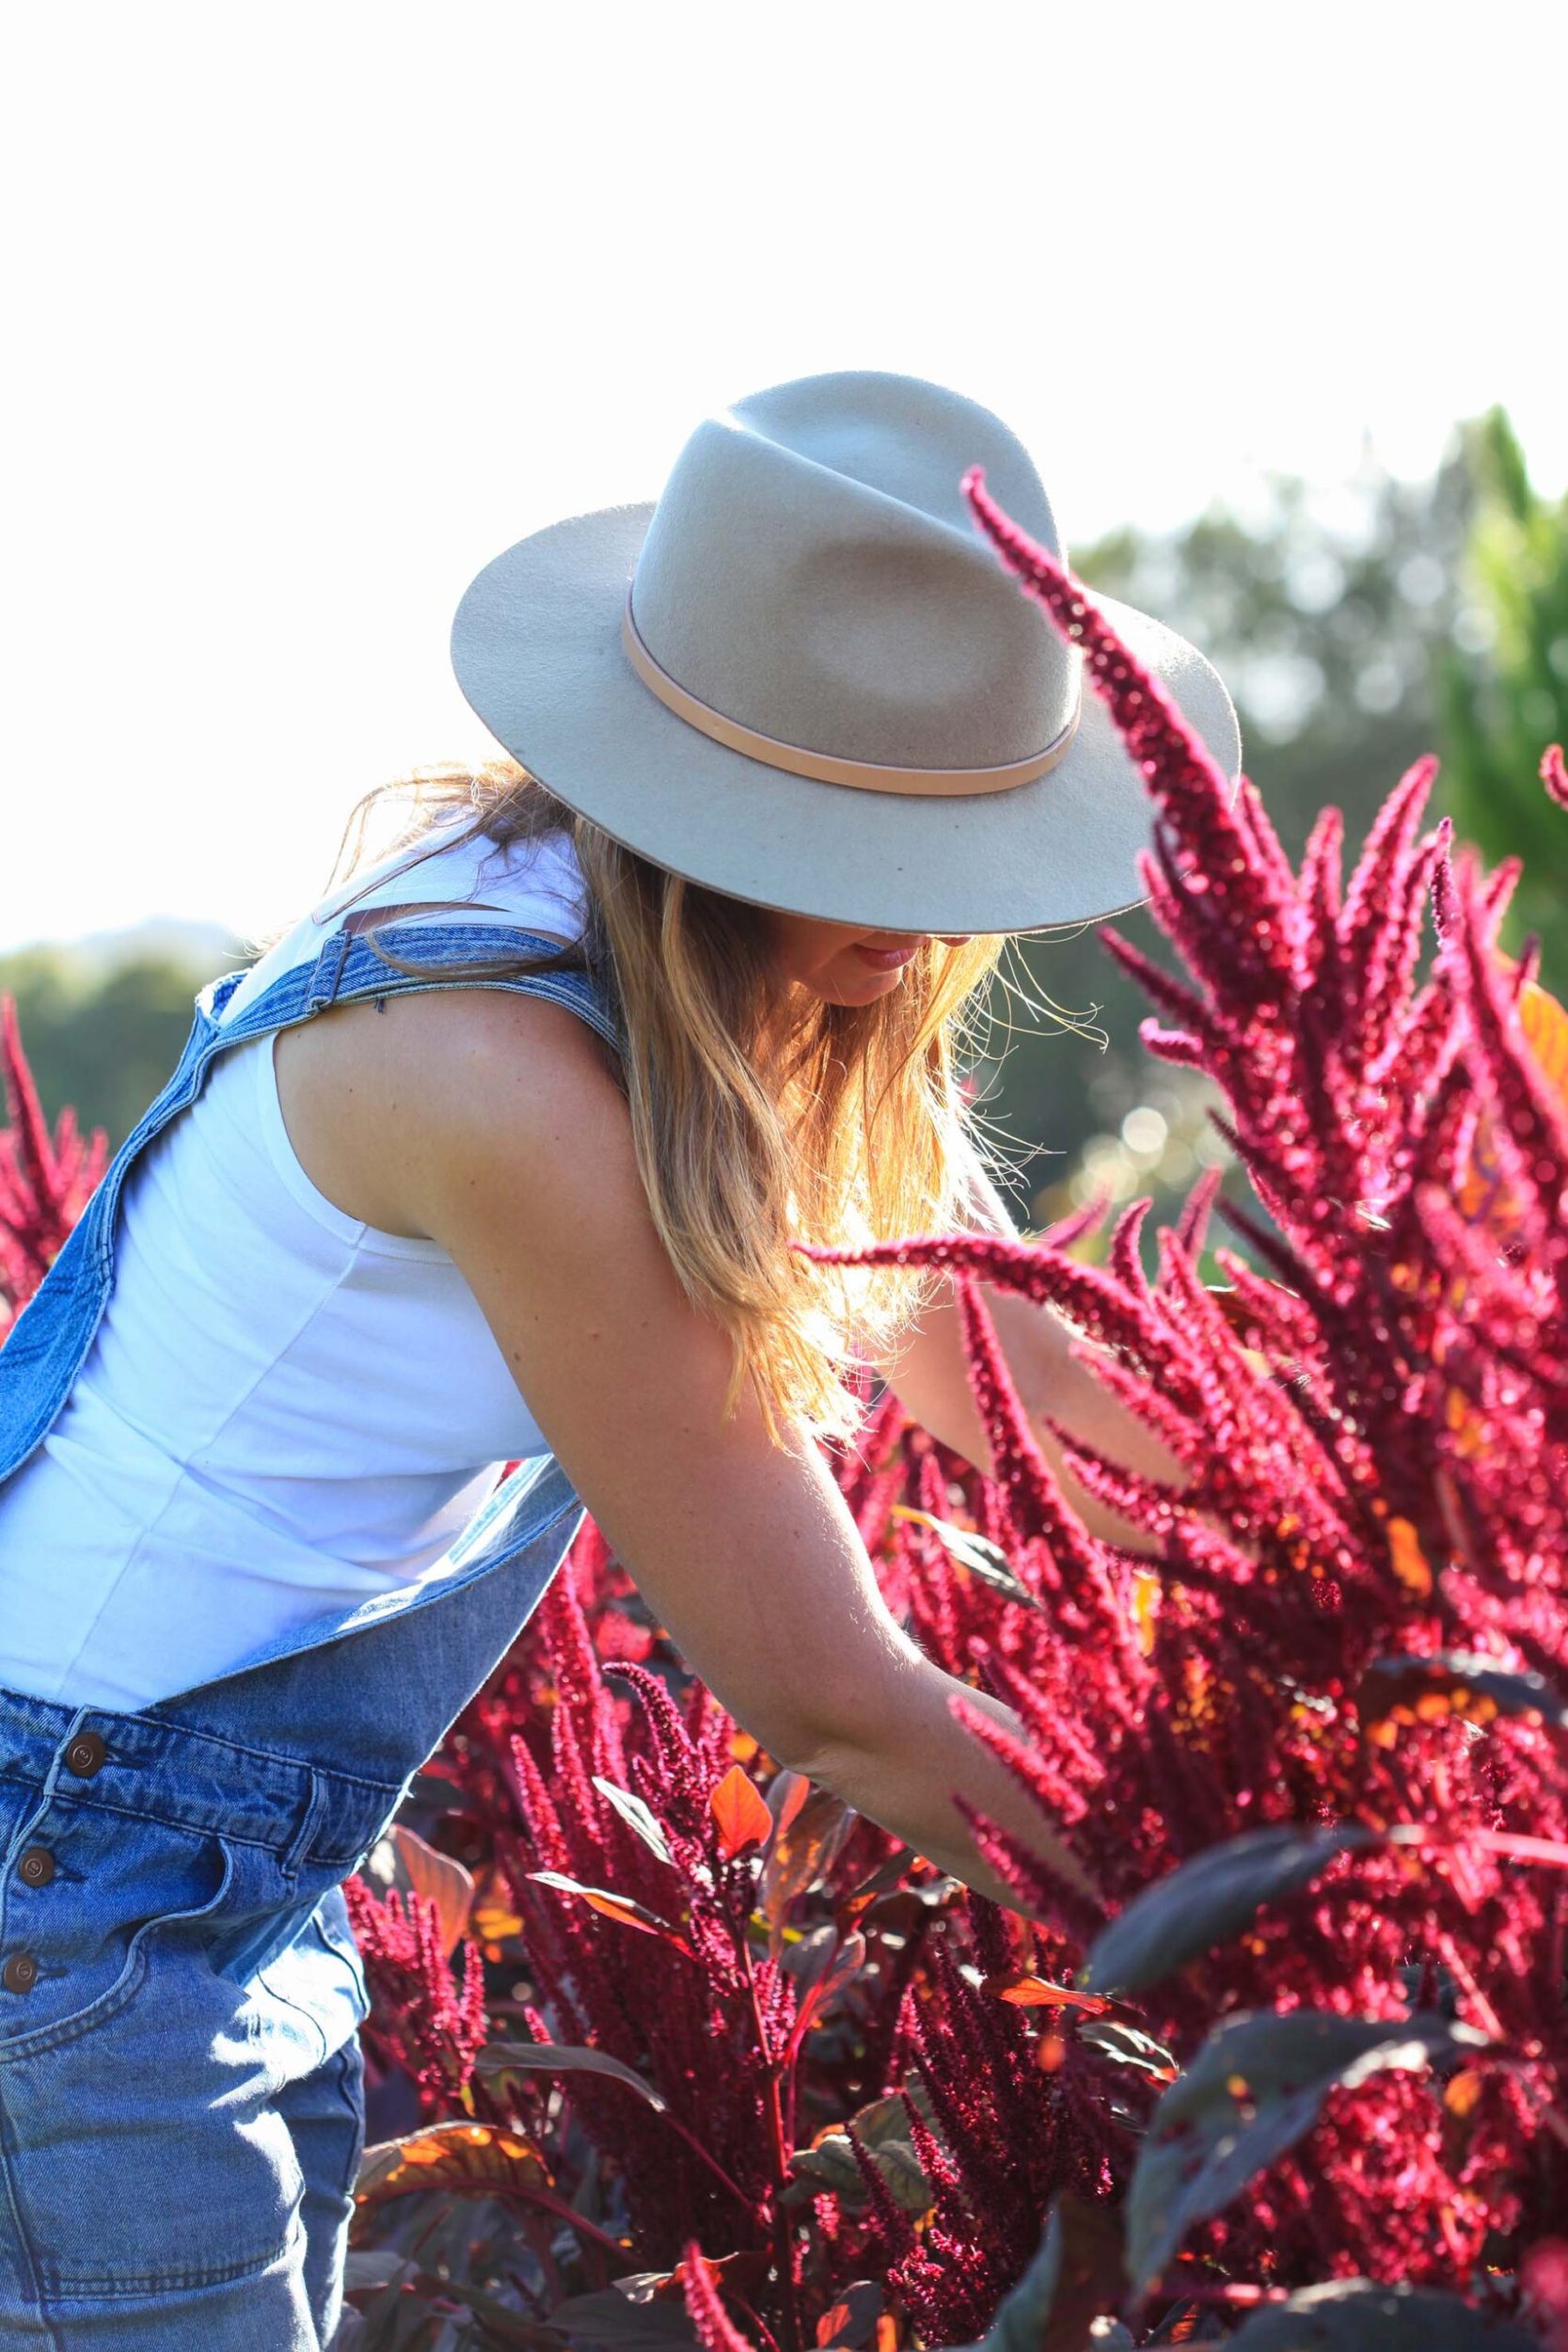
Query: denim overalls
[(181, 2085)]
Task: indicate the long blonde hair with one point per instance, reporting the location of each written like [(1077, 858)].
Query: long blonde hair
[(755, 1123)]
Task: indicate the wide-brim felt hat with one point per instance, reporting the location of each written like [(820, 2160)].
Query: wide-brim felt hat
[(802, 675)]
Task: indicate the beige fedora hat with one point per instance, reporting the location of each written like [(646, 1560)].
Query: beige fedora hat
[(804, 676)]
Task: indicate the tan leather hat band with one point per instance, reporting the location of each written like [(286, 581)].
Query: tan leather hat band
[(796, 761)]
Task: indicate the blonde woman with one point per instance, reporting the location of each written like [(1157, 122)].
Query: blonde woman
[(498, 1157)]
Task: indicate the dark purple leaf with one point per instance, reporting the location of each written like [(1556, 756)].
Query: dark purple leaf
[(1209, 1898), (1253, 2090)]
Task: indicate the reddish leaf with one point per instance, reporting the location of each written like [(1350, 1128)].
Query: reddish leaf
[(494, 1918), (741, 1812), (500, 2060), (637, 1816), (459, 2159), (1406, 1691), (699, 2280), (787, 1793), (849, 2322), (887, 1879), (620, 2323), (801, 1853), (744, 2274), (405, 1862), (622, 1907), (1030, 1991), (974, 1553), (845, 1962)]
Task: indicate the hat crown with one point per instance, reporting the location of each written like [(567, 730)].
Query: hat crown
[(812, 570)]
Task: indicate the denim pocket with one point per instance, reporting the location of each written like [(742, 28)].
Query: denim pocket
[(147, 2148), (318, 1983), (85, 1892)]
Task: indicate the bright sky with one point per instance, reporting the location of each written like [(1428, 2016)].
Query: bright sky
[(313, 306)]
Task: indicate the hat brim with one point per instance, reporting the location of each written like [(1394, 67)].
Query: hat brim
[(536, 644)]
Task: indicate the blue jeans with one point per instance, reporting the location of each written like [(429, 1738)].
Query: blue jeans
[(180, 2122)]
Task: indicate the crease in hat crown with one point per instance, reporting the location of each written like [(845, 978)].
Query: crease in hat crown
[(812, 574)]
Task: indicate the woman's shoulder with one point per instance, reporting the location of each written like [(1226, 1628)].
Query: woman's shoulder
[(463, 1050), (387, 1107)]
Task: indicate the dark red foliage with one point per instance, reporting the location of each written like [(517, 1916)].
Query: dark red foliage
[(835, 2094), (439, 2030), (44, 1181)]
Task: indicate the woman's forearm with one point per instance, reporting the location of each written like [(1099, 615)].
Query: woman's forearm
[(901, 1767), (1051, 1381), (932, 1383)]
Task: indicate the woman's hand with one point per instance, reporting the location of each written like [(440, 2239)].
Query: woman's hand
[(504, 1136)]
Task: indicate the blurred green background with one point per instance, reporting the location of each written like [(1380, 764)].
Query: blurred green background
[(1355, 629)]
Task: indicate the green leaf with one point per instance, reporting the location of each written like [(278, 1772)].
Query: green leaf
[(501, 2058), (883, 2131), (637, 1816), (1207, 1899), (983, 1560), (1354, 2315), (1253, 2090)]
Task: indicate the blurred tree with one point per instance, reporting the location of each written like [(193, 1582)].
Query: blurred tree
[(1503, 707), (104, 1041)]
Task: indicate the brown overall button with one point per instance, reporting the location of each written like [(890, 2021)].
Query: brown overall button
[(20, 1973), (86, 1754), (37, 1866)]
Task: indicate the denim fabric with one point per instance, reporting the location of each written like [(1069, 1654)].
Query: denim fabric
[(181, 2096)]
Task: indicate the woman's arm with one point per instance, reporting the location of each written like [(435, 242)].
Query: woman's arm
[(513, 1146), (931, 1377)]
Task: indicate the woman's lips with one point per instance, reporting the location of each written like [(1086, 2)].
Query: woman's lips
[(887, 959)]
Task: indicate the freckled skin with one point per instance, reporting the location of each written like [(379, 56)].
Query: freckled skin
[(824, 957)]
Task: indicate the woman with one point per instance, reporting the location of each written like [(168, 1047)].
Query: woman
[(499, 1157)]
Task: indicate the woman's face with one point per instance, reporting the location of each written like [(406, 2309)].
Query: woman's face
[(841, 962)]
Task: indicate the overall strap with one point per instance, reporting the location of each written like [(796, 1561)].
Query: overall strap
[(347, 969), (49, 1340)]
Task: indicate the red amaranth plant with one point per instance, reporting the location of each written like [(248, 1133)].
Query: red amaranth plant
[(438, 2030), (44, 1180), (1314, 1761), (1406, 1583), (752, 2060)]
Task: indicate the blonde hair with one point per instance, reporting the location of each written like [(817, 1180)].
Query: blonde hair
[(757, 1121)]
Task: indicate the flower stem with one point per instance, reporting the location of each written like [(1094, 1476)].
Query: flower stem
[(784, 2251)]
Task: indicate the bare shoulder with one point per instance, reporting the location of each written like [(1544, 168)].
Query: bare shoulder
[(519, 1101), (480, 1055), (384, 1107)]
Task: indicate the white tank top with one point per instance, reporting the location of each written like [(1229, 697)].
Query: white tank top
[(283, 1410)]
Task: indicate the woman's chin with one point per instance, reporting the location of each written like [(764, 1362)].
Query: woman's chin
[(859, 988)]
